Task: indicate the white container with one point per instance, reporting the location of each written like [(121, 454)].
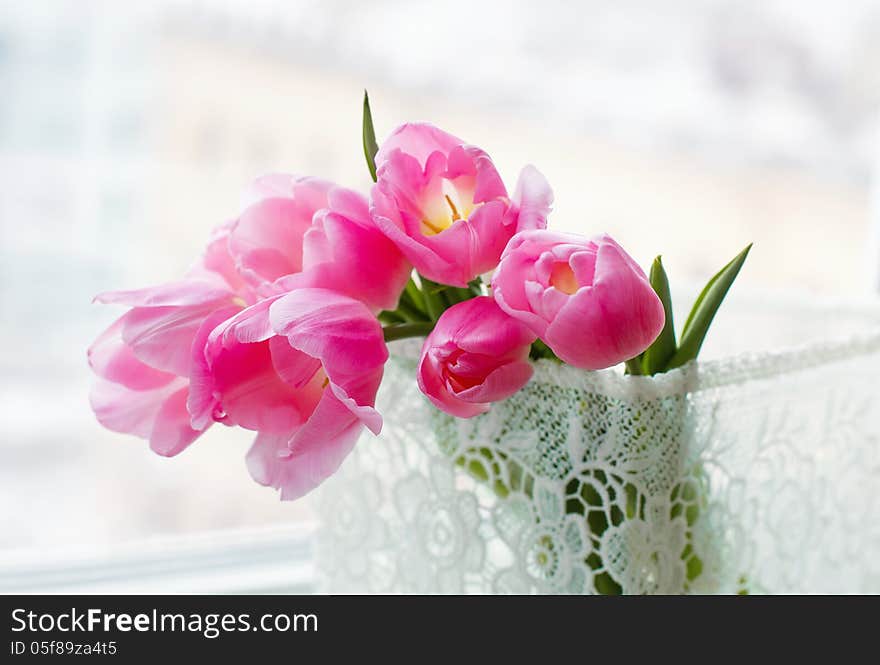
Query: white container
[(755, 473)]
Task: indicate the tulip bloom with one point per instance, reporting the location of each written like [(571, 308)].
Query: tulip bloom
[(344, 251), (143, 359), (299, 232), (266, 242), (588, 300), (475, 355), (302, 369), (444, 205)]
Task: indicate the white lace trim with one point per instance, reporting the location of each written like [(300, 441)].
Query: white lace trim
[(756, 473)]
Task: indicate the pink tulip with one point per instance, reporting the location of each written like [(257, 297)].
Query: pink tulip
[(302, 369), (588, 300), (146, 358), (475, 355), (345, 252), (266, 242), (446, 208), (299, 232), (143, 359)]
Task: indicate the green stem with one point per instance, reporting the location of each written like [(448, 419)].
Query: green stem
[(634, 366), (434, 302), (459, 294), (448, 297), (409, 311), (405, 330), (541, 350)]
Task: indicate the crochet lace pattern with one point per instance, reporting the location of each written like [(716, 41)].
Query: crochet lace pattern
[(752, 474)]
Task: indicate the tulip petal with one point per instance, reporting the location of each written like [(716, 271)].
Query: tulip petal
[(202, 400), (316, 250), (253, 396), (174, 294), (363, 262), (295, 367), (445, 206), (358, 395), (499, 384), (267, 241), (614, 320), (337, 329), (315, 452), (162, 336), (483, 328), (431, 383), (517, 295), (552, 301), (604, 310), (216, 262), (172, 432), (424, 258), (268, 186), (349, 204), (419, 139), (488, 186), (130, 411), (475, 355), (533, 199), (267, 457), (249, 325), (111, 359)]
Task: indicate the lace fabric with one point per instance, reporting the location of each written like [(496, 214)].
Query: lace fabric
[(754, 474)]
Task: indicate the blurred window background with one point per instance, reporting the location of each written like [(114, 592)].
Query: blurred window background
[(128, 130)]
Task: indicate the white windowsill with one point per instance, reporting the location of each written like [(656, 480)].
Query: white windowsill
[(265, 560)]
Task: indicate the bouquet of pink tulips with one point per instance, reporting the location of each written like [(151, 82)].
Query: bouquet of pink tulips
[(281, 326)]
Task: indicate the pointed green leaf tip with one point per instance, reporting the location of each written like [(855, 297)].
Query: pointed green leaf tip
[(369, 138), (657, 356), (707, 304)]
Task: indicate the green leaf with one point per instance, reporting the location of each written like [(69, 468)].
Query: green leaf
[(540, 350), (433, 288), (657, 356), (369, 137), (405, 330), (476, 286), (414, 294), (435, 304), (707, 304), (447, 296), (741, 257), (390, 317), (459, 294)]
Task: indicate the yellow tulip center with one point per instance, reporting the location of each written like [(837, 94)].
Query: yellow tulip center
[(562, 278), (446, 210)]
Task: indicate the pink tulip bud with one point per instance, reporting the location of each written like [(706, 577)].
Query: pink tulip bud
[(588, 300), (475, 355)]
